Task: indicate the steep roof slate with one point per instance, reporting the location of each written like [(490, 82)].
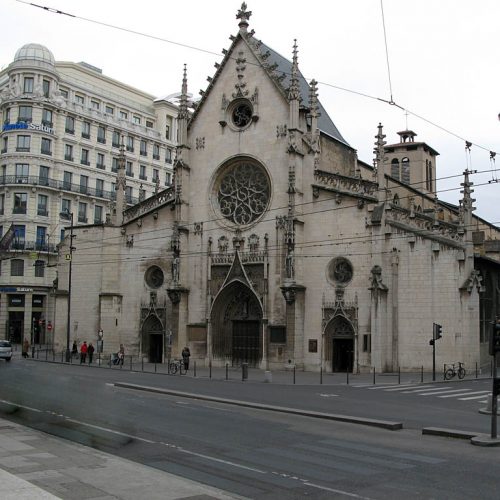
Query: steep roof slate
[(284, 67)]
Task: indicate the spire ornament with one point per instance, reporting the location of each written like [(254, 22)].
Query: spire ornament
[(244, 16), (294, 91)]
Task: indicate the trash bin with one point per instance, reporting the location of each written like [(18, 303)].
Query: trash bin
[(244, 371)]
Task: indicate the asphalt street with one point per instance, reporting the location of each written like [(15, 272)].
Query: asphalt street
[(262, 454)]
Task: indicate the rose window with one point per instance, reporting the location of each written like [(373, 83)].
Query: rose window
[(243, 192), (242, 115)]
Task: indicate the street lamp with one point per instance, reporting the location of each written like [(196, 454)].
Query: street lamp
[(69, 257)]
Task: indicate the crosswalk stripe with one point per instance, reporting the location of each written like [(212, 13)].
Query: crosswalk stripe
[(403, 388), (474, 397), (457, 395), (385, 386), (424, 389), (441, 392)]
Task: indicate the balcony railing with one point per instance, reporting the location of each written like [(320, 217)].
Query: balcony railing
[(70, 131), (156, 157), (129, 174), (19, 210), (42, 211), (101, 166), (82, 218), (46, 152), (68, 157), (101, 140), (35, 180), (84, 162), (85, 136), (33, 246), (22, 150)]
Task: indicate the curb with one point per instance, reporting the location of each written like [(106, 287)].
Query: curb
[(383, 424), (452, 433)]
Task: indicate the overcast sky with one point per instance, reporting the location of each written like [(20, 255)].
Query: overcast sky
[(443, 56)]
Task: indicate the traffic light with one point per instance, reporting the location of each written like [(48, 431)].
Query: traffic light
[(438, 331), (495, 338)]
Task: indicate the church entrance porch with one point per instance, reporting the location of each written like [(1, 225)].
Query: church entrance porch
[(339, 342), (236, 322), (152, 339), (246, 342), (343, 355)]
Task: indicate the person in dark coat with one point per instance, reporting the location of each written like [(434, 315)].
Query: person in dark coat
[(74, 349), (90, 352), (185, 357)]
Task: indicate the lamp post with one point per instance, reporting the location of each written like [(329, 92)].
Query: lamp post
[(70, 258)]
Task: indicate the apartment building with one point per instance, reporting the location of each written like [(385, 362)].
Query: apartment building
[(62, 127)]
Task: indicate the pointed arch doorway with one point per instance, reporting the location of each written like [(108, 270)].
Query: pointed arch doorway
[(236, 320), (339, 344), (152, 339)]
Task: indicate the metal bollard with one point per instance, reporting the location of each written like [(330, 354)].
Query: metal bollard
[(422, 374), (210, 369), (142, 363), (293, 374), (194, 373), (244, 371), (373, 375), (47, 355), (227, 371), (347, 376), (399, 375), (155, 367), (476, 369), (321, 375)]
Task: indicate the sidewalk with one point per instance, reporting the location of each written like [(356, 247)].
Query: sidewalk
[(34, 465)]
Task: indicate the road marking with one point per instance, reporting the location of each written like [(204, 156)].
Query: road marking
[(379, 387), (20, 406), (227, 462), (341, 492), (328, 395), (403, 388), (475, 397), (441, 392), (425, 389)]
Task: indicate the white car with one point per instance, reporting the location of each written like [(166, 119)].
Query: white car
[(5, 350)]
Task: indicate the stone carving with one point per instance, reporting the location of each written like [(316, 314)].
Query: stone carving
[(290, 264), (281, 130), (223, 244), (340, 271), (376, 284), (474, 280), (253, 243), (351, 185), (148, 205), (198, 228), (200, 143)]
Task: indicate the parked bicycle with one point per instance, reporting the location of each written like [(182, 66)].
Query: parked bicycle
[(176, 365), (451, 371)]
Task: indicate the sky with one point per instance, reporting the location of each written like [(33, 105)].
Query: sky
[(443, 60)]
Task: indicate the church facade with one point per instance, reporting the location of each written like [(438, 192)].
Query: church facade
[(278, 247)]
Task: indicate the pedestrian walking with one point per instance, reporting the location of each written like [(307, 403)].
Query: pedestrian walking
[(121, 354), (185, 357), (74, 350), (26, 348), (83, 352), (90, 352)]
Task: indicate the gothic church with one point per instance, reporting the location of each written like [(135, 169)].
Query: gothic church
[(278, 247)]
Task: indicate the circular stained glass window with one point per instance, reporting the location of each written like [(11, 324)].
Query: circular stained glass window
[(241, 114), (154, 277), (340, 271), (243, 192)]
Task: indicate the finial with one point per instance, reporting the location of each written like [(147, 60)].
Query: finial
[(313, 98), (294, 92), (244, 16), (183, 106)]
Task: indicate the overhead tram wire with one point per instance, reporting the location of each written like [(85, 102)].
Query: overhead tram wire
[(303, 214), (390, 102), (386, 51)]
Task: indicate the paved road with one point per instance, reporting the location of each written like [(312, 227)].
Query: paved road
[(253, 453)]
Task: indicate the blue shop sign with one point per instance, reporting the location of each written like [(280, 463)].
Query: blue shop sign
[(27, 126)]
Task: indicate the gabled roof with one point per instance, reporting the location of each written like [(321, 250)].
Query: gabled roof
[(284, 67), (279, 70)]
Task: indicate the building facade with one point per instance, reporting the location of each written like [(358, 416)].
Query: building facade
[(278, 247), (62, 127)]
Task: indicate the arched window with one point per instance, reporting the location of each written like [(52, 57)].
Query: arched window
[(405, 170), (395, 168), (395, 200)]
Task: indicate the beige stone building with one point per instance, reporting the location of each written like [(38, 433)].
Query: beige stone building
[(62, 126), (277, 246)]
